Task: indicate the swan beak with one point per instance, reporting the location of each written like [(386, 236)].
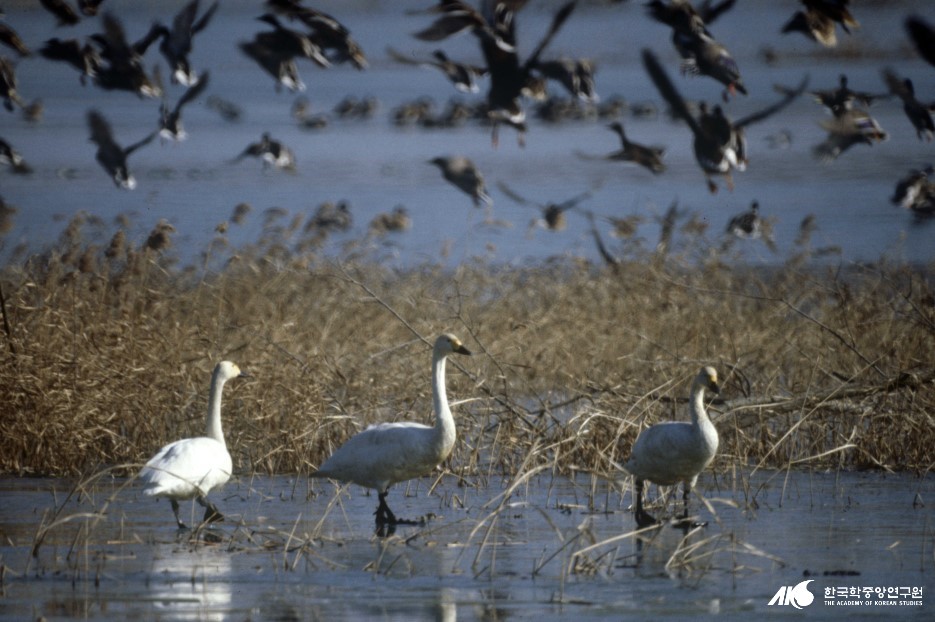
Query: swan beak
[(460, 349), (244, 374), (715, 388)]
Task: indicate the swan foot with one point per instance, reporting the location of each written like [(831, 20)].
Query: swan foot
[(212, 514), (385, 516)]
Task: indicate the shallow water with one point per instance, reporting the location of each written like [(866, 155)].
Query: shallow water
[(556, 547), (375, 166)]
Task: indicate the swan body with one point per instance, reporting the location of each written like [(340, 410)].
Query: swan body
[(388, 453), (676, 451), (190, 468)]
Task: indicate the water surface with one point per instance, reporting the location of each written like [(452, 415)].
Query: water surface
[(555, 547)]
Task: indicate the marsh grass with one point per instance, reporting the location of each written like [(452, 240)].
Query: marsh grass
[(109, 347)]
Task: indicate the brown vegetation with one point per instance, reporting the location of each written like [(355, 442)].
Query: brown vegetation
[(108, 349)]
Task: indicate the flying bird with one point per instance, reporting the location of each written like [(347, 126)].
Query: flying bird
[(461, 173), (170, 126), (111, 156), (176, 42), (719, 144)]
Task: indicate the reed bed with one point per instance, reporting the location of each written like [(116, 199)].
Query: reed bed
[(109, 343)]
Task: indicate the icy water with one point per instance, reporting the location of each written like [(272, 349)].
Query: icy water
[(375, 165), (549, 548)]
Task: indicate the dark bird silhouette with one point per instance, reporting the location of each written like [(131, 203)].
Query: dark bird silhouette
[(552, 214), (701, 53), (176, 42), (915, 191), (747, 224), (922, 35), (843, 98), (819, 21), (170, 127), (122, 68), (272, 153), (576, 75), (848, 128), (8, 86), (390, 222), (11, 39), (918, 113), (719, 144), (85, 58), (276, 50), (495, 28), (89, 8), (12, 158), (648, 157), (462, 76), (461, 173), (62, 11), (324, 31), (111, 156)]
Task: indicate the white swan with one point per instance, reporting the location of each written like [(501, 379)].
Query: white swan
[(387, 453), (192, 467), (675, 451)]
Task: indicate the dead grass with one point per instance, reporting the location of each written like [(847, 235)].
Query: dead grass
[(108, 349)]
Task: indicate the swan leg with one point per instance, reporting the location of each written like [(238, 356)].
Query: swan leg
[(683, 522), (175, 510), (643, 518), (212, 514), (384, 514)]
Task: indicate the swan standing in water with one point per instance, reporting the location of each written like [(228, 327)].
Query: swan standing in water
[(192, 467), (675, 451), (387, 453)]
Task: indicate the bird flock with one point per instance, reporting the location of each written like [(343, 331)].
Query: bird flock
[(512, 71), (506, 75)]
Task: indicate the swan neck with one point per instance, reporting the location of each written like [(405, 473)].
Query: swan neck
[(444, 423), (214, 409), (698, 412)]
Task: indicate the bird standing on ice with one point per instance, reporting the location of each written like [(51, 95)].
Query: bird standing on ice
[(675, 451), (192, 467), (387, 453)]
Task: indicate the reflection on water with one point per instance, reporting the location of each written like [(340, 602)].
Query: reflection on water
[(542, 553), (190, 582)]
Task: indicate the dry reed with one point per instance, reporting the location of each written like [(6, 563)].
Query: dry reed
[(110, 346)]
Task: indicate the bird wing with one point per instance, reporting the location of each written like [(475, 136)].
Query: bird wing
[(788, 98), (668, 91), (560, 17), (192, 92), (202, 23), (187, 467), (145, 141), (101, 134), (512, 194), (384, 454)]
